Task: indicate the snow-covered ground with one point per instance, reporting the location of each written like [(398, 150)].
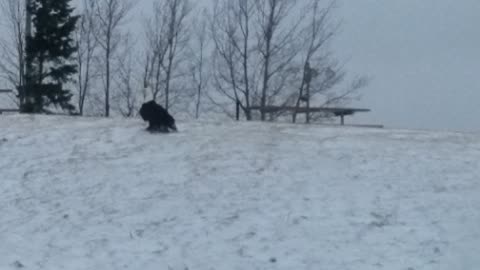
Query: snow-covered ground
[(88, 193)]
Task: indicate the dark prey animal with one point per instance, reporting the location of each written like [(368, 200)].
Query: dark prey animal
[(158, 118)]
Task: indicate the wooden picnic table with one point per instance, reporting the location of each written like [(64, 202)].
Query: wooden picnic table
[(336, 111)]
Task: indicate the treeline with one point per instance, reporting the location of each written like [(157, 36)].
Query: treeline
[(190, 59)]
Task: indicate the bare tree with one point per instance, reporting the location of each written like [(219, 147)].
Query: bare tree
[(234, 61), (244, 16), (199, 60), (276, 35), (315, 35), (155, 33), (254, 46), (12, 45), (109, 14), (87, 46), (126, 82), (176, 41), (167, 38), (275, 52), (146, 75), (321, 72)]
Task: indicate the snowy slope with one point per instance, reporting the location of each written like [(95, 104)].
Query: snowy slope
[(103, 194)]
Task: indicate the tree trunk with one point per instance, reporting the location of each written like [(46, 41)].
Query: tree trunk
[(248, 113), (265, 82), (167, 85), (197, 106), (267, 54), (107, 79), (307, 114)]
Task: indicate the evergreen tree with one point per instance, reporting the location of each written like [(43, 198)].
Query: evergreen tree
[(50, 52)]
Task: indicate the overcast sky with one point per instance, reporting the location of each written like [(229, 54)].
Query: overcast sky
[(424, 57)]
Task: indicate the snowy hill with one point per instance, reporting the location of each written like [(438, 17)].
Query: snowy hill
[(81, 193)]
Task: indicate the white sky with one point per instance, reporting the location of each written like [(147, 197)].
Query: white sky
[(424, 57)]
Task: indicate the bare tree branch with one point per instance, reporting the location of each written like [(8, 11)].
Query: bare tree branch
[(126, 82), (12, 45), (109, 15), (167, 38), (232, 34), (199, 75), (87, 46)]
